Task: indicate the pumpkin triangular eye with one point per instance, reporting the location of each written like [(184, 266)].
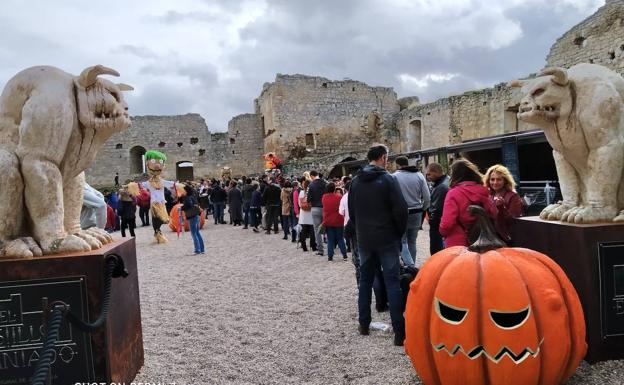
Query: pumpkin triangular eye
[(448, 313), (510, 320)]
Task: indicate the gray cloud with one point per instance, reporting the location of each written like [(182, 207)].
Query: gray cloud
[(214, 56), (142, 52)]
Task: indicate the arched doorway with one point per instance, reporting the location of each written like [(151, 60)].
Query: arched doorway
[(184, 170), (137, 160), (414, 136), (340, 170)]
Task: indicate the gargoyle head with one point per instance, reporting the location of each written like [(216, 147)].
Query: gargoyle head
[(101, 105), (545, 98)]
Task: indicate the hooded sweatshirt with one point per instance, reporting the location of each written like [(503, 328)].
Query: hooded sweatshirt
[(414, 187), (377, 208), (456, 219)]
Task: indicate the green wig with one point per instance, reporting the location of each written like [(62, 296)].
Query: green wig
[(153, 154)]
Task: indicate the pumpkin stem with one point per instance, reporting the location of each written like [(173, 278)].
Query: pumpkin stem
[(488, 239)]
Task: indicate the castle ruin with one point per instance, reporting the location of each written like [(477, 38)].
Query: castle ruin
[(313, 122)]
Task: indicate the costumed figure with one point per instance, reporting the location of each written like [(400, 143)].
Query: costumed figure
[(272, 161), (156, 186)]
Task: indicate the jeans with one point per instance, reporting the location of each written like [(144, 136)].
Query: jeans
[(286, 224), (128, 223), (371, 260), (272, 215), (219, 208), (255, 216), (198, 241), (436, 243), (408, 242), (144, 215), (335, 236), (317, 218), (293, 222), (246, 208)]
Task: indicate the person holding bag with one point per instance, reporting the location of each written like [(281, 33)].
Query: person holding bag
[(305, 219), (192, 212)]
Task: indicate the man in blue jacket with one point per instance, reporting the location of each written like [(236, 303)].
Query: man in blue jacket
[(379, 212)]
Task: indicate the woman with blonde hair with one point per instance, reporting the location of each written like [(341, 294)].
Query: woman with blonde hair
[(502, 187)]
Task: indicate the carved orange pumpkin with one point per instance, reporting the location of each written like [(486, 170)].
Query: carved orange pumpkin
[(493, 315), (174, 220)]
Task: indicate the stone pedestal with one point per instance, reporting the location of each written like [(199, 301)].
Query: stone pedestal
[(112, 354), (579, 250)]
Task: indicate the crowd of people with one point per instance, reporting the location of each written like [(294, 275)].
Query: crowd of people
[(375, 216)]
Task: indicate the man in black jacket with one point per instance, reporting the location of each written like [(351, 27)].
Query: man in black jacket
[(272, 201), (436, 175), (379, 212), (315, 198)]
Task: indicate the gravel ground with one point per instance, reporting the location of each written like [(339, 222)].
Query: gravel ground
[(256, 310)]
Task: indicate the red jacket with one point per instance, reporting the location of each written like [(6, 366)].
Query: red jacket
[(331, 216), (456, 219), (511, 207)]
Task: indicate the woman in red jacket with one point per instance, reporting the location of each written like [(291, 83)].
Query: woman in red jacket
[(501, 185), (466, 188), (333, 222)]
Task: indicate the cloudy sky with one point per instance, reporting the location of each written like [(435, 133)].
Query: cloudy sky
[(212, 56)]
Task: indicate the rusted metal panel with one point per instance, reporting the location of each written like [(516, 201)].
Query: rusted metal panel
[(118, 346)]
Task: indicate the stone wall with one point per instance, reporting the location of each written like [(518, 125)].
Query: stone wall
[(246, 144), (183, 138), (599, 39), (472, 115), (300, 113)]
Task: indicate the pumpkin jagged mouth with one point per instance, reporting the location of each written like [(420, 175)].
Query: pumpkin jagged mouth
[(477, 351), (154, 171)]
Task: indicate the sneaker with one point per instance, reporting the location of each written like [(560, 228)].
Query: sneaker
[(320, 253), (364, 330), (329, 259), (398, 339), (255, 230), (344, 257), (285, 237)]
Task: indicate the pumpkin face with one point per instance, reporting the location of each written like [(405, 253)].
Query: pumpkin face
[(505, 316), (174, 221)]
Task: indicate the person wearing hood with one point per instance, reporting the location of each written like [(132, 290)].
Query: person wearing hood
[(378, 212), (416, 193), (466, 188)]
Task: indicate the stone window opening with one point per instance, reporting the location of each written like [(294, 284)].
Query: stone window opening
[(232, 152), (485, 103), (232, 140), (353, 89), (579, 41), (622, 47), (161, 144), (309, 140), (137, 161), (324, 85), (591, 61), (202, 151), (179, 144), (194, 140), (611, 55), (118, 146)]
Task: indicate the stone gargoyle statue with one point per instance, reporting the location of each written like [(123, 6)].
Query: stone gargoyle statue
[(581, 111), (52, 125)]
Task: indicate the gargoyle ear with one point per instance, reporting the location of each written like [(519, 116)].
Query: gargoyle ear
[(89, 75), (559, 75), (516, 83), (124, 87)]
